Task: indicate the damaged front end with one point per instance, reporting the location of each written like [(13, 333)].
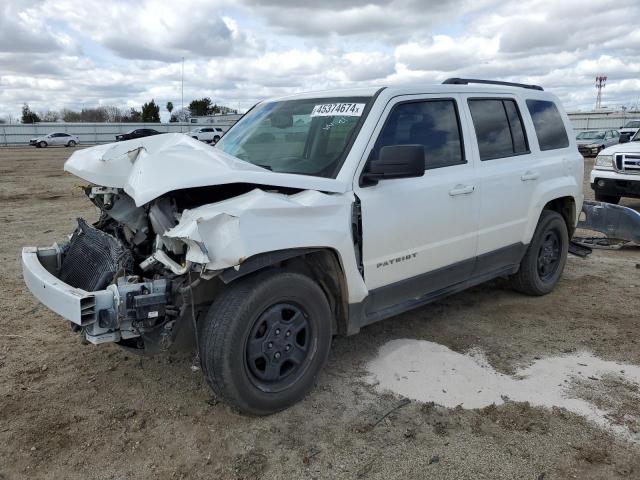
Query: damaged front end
[(118, 280)]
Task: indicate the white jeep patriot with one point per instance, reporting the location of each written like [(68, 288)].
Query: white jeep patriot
[(315, 215)]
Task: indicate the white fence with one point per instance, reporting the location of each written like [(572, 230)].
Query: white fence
[(601, 120), (89, 133)]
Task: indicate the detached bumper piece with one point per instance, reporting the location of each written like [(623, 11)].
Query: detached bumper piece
[(75, 280), (616, 222)]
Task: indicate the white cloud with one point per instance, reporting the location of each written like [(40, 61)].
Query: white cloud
[(74, 53)]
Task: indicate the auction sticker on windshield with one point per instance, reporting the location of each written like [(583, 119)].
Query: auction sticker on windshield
[(334, 109)]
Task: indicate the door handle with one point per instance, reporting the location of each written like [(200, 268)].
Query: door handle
[(529, 175), (461, 190)]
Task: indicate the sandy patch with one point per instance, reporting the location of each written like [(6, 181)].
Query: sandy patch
[(430, 372)]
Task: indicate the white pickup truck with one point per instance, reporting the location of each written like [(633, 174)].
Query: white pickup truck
[(616, 172), (315, 215)]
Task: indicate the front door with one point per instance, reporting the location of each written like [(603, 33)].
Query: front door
[(420, 234)]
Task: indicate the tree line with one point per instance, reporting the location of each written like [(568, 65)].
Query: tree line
[(148, 113)]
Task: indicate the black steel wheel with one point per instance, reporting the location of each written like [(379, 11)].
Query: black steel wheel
[(278, 347), (543, 263), (264, 341), (549, 255)]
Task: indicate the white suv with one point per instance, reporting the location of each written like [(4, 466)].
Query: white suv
[(207, 134), (315, 215)]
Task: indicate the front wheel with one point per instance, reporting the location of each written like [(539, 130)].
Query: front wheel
[(216, 139), (265, 340), (543, 263), (42, 144)]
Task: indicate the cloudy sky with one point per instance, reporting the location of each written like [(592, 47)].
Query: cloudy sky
[(72, 53)]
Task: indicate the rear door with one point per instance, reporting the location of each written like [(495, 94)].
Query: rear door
[(507, 173)]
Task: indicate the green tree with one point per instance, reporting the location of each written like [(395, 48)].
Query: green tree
[(170, 107), (28, 116), (201, 107), (150, 112)]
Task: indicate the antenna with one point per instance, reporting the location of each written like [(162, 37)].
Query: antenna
[(600, 84)]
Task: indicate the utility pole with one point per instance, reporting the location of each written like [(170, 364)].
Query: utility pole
[(182, 92), (600, 84)]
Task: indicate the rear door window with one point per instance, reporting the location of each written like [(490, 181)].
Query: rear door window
[(498, 126), (548, 124)]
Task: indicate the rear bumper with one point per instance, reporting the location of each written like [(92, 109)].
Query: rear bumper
[(74, 304)]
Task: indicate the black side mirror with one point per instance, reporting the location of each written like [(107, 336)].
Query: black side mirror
[(624, 138), (394, 161)]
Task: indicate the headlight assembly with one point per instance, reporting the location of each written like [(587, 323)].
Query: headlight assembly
[(604, 162)]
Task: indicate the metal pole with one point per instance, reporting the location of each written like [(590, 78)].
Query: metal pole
[(182, 94)]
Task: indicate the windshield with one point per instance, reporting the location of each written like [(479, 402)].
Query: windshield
[(632, 124), (590, 135), (308, 137), (636, 137)]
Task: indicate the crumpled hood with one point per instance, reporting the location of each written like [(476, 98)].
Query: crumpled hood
[(152, 166), (629, 147)]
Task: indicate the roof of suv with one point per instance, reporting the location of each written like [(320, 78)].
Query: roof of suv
[(392, 91)]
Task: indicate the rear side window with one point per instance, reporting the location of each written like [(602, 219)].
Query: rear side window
[(548, 124), (498, 127), (434, 124)]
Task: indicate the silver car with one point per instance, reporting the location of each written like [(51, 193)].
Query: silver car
[(55, 139), (592, 141)]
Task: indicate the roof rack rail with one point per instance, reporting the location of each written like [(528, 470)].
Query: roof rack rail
[(466, 81)]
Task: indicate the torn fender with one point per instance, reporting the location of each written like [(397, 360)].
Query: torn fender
[(224, 234)]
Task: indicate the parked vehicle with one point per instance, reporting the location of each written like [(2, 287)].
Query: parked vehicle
[(207, 134), (136, 133), (57, 138), (591, 142), (315, 215), (616, 172), (630, 128)]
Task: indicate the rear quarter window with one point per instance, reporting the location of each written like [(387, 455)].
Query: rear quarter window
[(548, 124)]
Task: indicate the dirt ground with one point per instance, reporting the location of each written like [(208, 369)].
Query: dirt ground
[(84, 412)]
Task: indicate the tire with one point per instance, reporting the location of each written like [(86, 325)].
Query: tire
[(253, 318), (216, 139), (42, 144), (545, 258), (71, 143), (607, 198), (195, 138)]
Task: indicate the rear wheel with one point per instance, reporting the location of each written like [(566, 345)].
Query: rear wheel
[(265, 340), (607, 198), (71, 143), (543, 263)]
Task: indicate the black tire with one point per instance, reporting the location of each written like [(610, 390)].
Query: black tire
[(71, 143), (545, 258), (216, 139), (254, 317), (607, 198), (42, 144)]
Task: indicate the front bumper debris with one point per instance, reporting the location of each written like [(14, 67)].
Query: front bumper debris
[(120, 311), (616, 222)]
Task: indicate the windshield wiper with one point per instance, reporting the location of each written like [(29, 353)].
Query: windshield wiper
[(266, 167)]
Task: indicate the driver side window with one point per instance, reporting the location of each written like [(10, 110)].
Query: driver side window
[(434, 124)]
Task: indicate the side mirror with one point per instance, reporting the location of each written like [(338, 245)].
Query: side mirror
[(624, 138), (394, 161)]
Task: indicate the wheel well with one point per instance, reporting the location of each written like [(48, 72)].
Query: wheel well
[(321, 265), (565, 206)]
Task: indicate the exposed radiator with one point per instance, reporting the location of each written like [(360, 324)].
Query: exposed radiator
[(92, 258)]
